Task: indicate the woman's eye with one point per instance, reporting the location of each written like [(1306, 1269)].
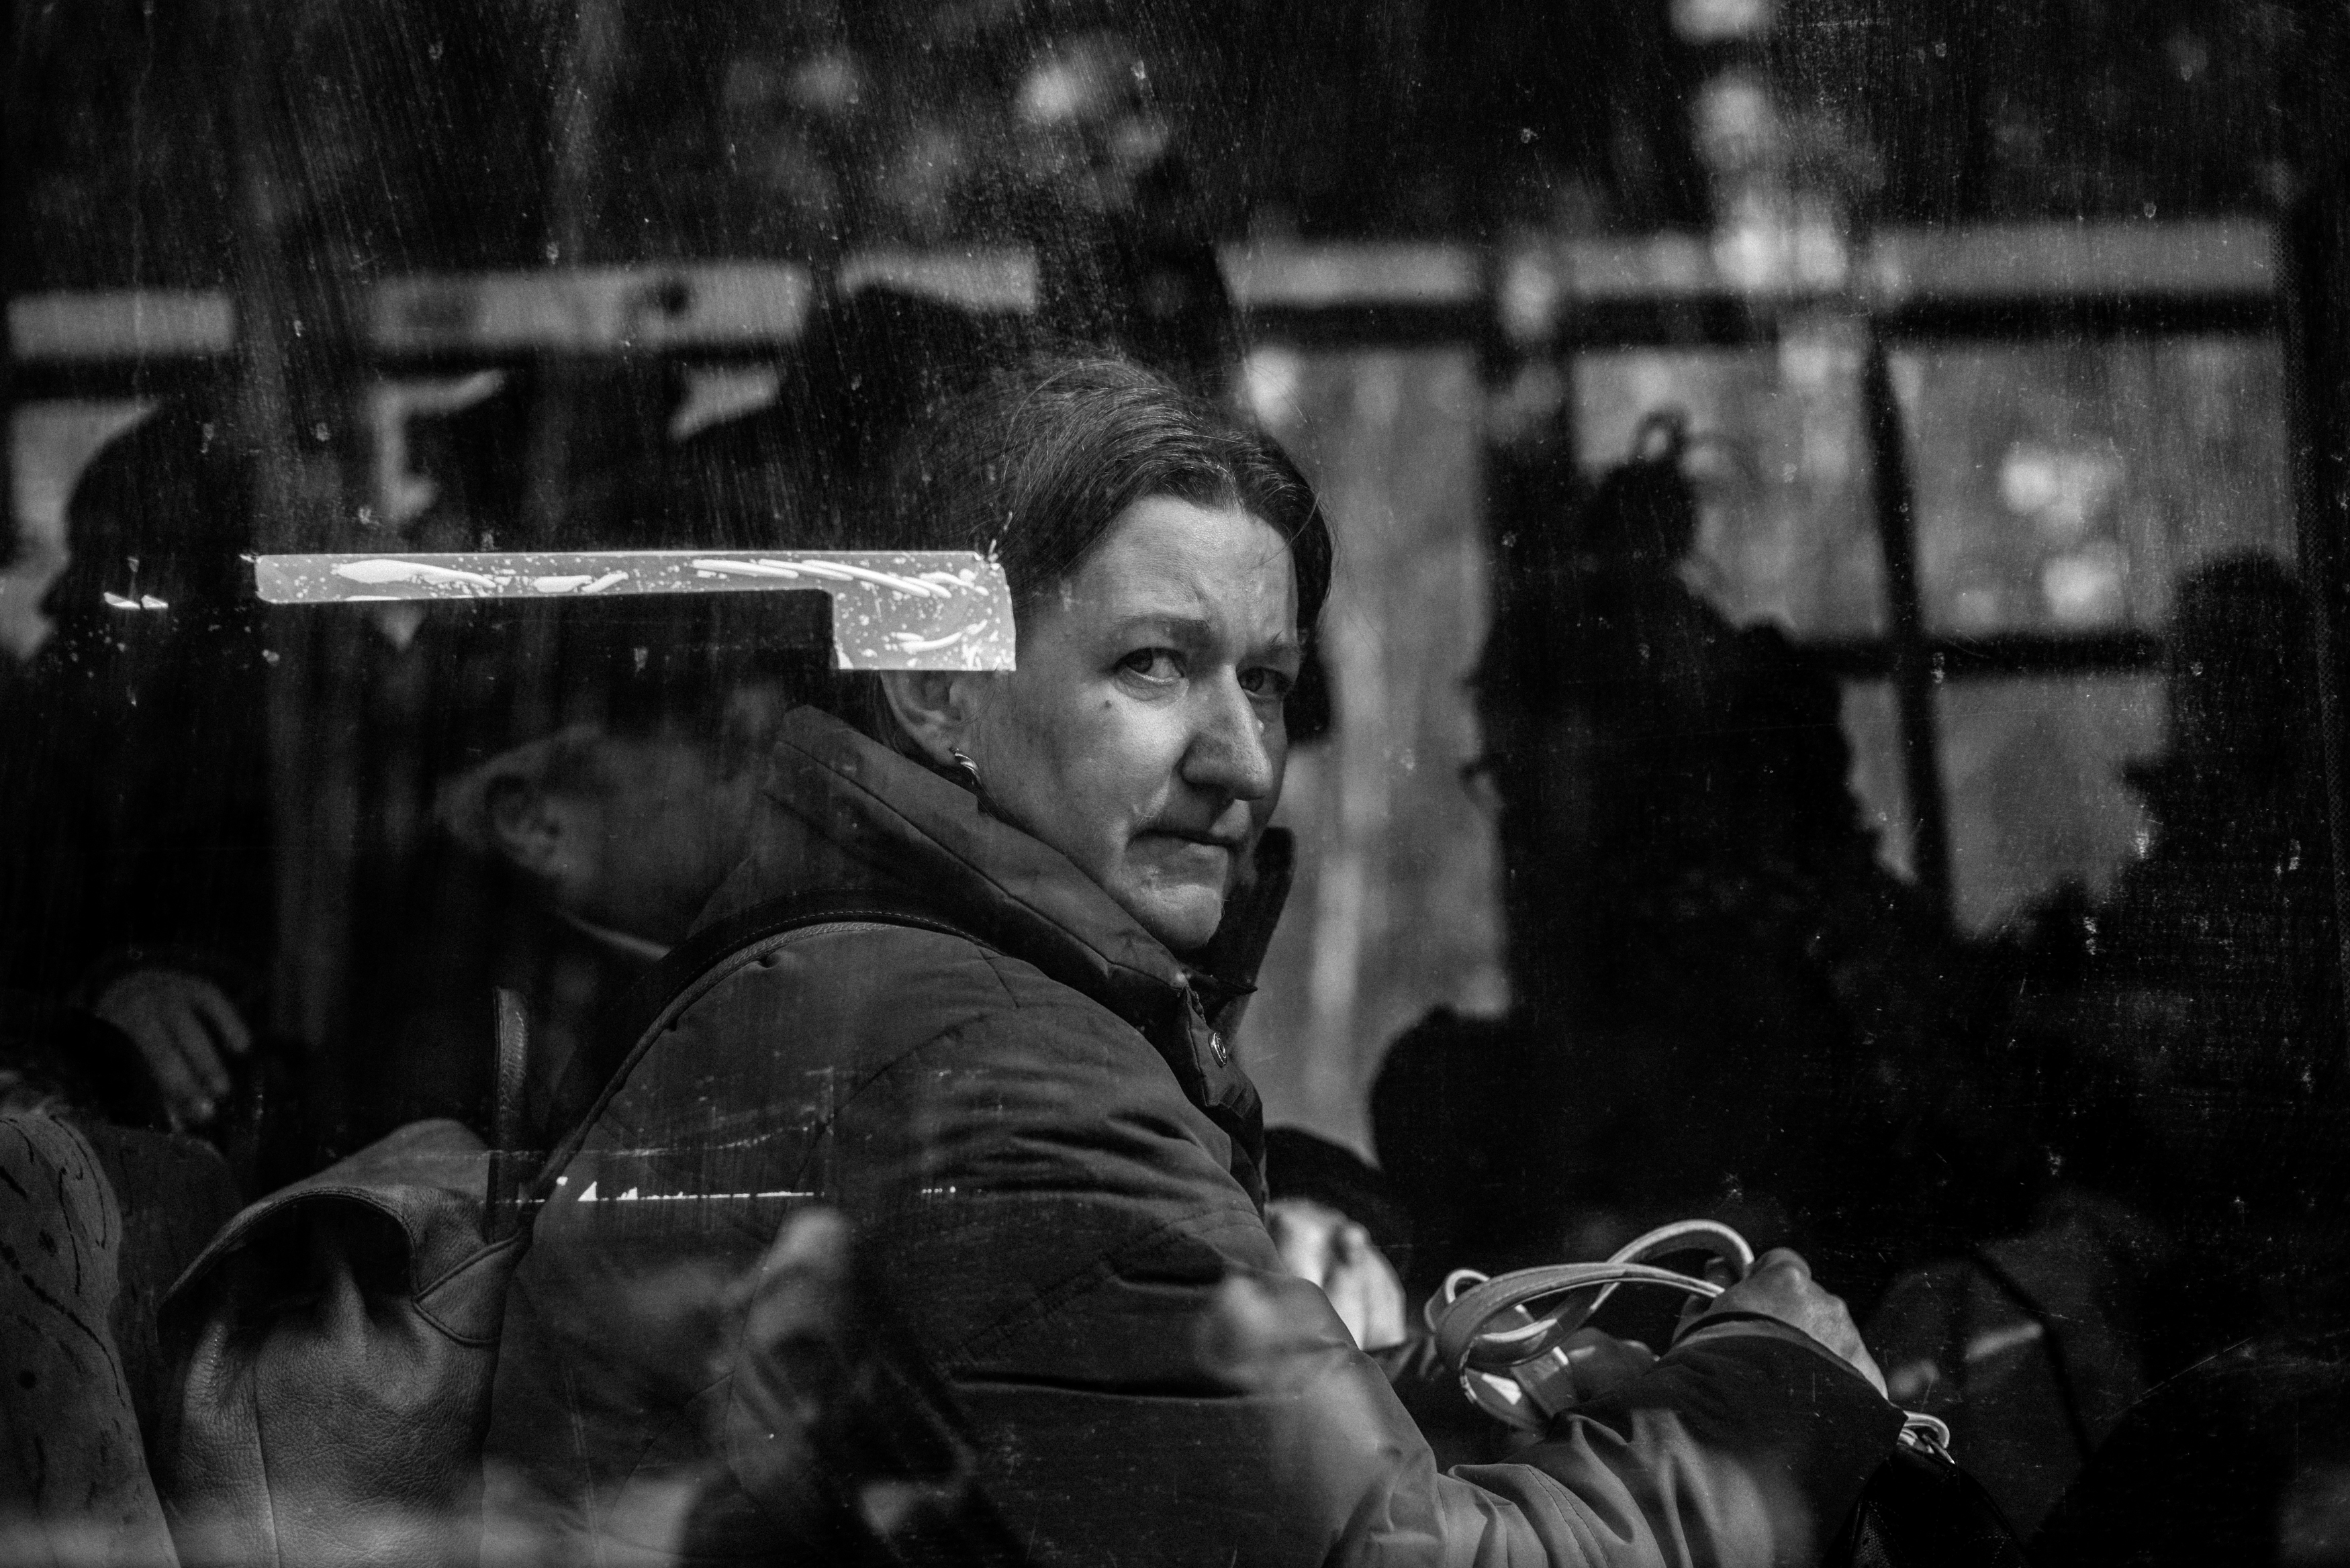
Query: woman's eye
[(1153, 664), (1273, 685)]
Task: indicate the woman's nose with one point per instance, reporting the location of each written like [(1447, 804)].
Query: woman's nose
[(1229, 752)]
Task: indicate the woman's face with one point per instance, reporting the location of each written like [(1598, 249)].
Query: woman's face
[(1141, 734)]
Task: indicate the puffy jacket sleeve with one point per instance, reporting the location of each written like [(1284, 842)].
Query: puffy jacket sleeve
[(1058, 1226)]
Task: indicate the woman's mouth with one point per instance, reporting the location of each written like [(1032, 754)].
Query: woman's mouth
[(1187, 856), (1229, 844)]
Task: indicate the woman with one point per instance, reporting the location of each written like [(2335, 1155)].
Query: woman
[(1037, 1125)]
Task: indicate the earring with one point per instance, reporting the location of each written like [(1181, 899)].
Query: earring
[(969, 770)]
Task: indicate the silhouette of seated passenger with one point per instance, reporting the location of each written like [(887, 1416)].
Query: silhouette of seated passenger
[(1725, 1005), (2197, 1008), (2225, 926), (603, 843), (135, 859)]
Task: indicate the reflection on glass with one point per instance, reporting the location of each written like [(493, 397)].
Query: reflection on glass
[(50, 444), (1783, 462), (2033, 770), (2066, 488)]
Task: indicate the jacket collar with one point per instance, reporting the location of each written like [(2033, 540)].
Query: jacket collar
[(842, 814)]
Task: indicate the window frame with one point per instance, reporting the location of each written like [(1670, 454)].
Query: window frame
[(2018, 284), (1516, 304)]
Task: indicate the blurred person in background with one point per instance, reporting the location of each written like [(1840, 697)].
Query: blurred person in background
[(597, 846), (2152, 1361), (2225, 926), (1727, 1007), (136, 935), (2196, 1011), (136, 862)]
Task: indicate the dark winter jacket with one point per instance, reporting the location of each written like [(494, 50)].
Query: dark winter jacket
[(1052, 1161)]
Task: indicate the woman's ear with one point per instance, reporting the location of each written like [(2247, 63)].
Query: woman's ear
[(936, 707)]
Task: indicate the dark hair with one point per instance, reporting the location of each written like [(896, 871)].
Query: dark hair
[(1034, 465)]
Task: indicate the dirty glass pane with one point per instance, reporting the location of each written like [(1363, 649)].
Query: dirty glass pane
[(1778, 445), (1013, 1196), (2069, 487), (1396, 908)]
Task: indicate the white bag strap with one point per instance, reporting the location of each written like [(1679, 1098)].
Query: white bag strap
[(1511, 1360)]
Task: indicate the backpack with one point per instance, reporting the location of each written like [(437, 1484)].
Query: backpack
[(330, 1355)]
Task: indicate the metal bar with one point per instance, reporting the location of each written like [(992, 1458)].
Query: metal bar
[(914, 609), (1678, 322), (52, 381), (1999, 282), (557, 365), (1528, 488), (1729, 321), (1716, 321), (2317, 359), (1366, 323), (985, 281), (1956, 658), (313, 764), (1719, 321), (12, 536), (2111, 257), (707, 308), (2025, 318), (1913, 669)]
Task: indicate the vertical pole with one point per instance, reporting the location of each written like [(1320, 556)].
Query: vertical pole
[(15, 132), (259, 414), (1913, 673), (2316, 332), (299, 498), (11, 531), (1540, 760), (562, 387)]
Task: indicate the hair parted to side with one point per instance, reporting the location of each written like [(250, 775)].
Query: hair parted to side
[(1034, 464)]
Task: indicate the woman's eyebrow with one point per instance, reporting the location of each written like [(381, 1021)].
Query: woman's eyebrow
[(1193, 631), (1172, 624)]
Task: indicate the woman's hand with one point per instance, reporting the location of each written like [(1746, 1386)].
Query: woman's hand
[(1318, 1243), (185, 1027), (1781, 1286), (1600, 1363)]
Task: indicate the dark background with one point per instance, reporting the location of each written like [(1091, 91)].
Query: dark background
[(474, 135)]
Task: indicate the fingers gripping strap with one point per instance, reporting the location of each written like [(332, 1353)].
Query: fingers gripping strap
[(1510, 1359), (1466, 1335)]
